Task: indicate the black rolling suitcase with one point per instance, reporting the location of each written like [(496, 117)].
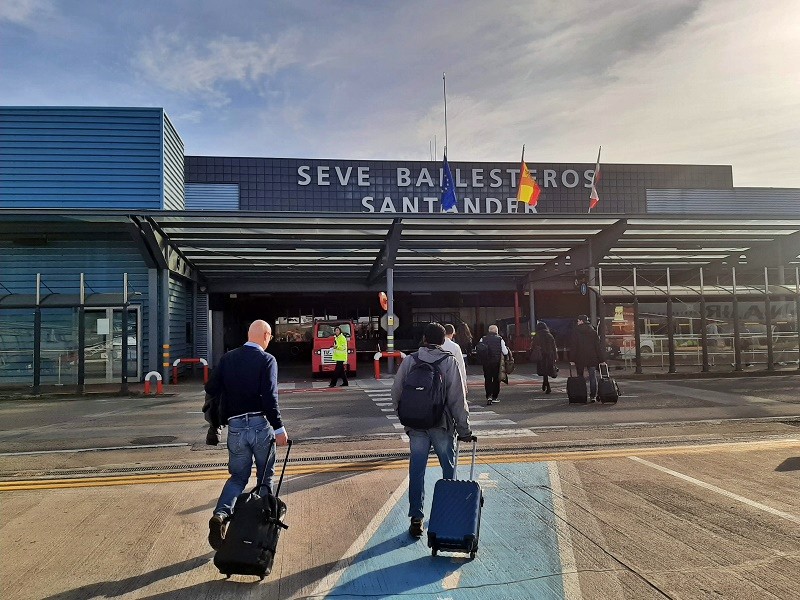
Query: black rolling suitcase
[(607, 389), (576, 388), (255, 526), (455, 521)]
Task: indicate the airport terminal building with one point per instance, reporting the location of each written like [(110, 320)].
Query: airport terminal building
[(114, 243)]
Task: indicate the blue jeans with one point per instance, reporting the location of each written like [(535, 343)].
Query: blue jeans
[(592, 378), (248, 437), (420, 441)]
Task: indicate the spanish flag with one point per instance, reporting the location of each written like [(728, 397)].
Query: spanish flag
[(528, 190)]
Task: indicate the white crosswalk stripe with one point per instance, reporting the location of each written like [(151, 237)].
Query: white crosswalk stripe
[(485, 422)]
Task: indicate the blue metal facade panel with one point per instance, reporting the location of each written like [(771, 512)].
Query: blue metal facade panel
[(762, 202), (181, 325), (74, 157), (60, 262), (212, 196), (173, 168)]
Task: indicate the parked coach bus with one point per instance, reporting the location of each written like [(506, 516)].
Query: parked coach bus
[(322, 354)]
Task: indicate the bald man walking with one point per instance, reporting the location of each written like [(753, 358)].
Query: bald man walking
[(246, 383)]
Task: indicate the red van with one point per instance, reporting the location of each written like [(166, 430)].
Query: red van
[(322, 353)]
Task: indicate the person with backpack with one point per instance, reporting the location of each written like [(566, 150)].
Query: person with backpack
[(490, 350), (430, 400)]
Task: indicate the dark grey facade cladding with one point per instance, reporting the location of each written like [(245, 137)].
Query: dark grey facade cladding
[(274, 184)]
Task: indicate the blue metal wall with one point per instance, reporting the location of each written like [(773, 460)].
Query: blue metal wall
[(212, 196), (173, 168), (181, 321), (61, 262), (74, 157)]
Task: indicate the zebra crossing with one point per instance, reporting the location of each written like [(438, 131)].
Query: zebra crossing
[(484, 421)]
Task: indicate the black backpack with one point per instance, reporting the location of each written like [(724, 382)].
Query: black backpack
[(482, 352), (424, 395)]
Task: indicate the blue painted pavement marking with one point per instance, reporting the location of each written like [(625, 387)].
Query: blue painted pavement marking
[(517, 559)]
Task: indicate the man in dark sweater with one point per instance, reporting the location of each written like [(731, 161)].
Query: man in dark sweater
[(246, 384)]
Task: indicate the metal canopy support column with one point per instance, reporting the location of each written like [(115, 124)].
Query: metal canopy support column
[(601, 309), (703, 323), (390, 317), (532, 304), (670, 326), (768, 323), (82, 338), (387, 254), (592, 302), (637, 334), (737, 345), (37, 337), (124, 370)]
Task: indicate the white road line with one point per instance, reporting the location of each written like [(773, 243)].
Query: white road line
[(498, 433), (569, 568), (718, 490), (398, 426), (383, 404), (492, 422), (387, 410), (331, 579)]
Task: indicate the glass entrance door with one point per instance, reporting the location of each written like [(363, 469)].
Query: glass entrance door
[(103, 350)]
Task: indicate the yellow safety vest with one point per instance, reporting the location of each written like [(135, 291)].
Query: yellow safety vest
[(340, 348)]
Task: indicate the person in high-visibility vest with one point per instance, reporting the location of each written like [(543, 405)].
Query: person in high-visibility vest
[(340, 356)]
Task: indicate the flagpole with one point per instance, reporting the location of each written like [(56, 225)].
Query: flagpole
[(444, 89), (522, 160), (594, 174)]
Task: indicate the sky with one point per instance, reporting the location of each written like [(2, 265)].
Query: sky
[(652, 81)]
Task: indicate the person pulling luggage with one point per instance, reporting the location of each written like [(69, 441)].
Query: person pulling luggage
[(429, 398), (245, 384), (586, 352)]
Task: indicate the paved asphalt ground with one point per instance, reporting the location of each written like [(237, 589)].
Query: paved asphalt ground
[(688, 488)]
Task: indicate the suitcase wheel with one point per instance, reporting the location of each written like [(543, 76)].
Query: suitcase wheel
[(227, 575), (473, 554), (261, 578), (434, 551)]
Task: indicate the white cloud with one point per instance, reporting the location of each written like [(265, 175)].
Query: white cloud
[(179, 65), (24, 12)]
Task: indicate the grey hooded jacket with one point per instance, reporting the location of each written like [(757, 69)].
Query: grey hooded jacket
[(456, 414)]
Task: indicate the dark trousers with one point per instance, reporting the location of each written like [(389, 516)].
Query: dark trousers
[(340, 371), (491, 380)]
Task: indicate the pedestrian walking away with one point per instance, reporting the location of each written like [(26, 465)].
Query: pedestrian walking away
[(340, 357), (453, 348), (545, 354), (429, 399), (491, 357), (586, 352), (244, 389)]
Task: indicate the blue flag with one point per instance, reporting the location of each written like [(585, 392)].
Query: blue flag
[(448, 187)]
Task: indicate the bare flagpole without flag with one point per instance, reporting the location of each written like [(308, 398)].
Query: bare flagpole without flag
[(444, 90)]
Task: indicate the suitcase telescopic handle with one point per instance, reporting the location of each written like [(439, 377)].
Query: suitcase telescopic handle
[(472, 465), (283, 469)]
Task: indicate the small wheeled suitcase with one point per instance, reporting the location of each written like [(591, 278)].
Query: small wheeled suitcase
[(255, 526), (455, 521), (607, 389), (576, 388)]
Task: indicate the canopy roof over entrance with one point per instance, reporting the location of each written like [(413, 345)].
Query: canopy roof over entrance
[(245, 251)]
